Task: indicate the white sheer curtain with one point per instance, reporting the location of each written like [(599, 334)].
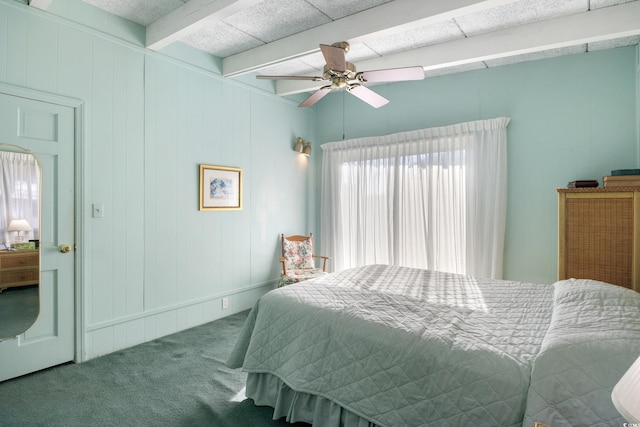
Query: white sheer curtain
[(432, 198), (19, 198)]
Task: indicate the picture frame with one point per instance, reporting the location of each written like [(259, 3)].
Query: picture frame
[(220, 188)]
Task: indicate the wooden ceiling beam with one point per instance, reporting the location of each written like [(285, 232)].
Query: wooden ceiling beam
[(191, 17), (40, 4), (388, 18), (587, 27)]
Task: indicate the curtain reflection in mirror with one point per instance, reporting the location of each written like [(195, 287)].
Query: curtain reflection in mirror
[(19, 180)]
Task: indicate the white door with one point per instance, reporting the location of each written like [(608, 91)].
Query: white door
[(48, 131)]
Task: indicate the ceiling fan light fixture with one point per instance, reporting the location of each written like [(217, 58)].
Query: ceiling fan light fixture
[(338, 82)]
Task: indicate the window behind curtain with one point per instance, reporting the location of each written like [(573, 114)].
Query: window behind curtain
[(433, 198)]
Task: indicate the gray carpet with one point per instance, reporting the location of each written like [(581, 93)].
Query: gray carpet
[(178, 380)]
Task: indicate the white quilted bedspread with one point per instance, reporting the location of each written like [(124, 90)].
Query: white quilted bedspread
[(401, 346)]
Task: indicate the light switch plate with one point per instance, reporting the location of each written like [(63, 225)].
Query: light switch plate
[(98, 210)]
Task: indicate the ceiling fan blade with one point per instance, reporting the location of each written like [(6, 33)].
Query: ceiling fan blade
[(312, 78), (392, 75), (334, 57), (317, 96), (367, 95)]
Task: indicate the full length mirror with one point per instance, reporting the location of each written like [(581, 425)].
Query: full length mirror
[(20, 174)]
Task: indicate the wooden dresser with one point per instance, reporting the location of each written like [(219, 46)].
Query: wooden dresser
[(19, 268), (599, 235)]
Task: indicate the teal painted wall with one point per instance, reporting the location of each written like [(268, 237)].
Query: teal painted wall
[(156, 264), (572, 117)]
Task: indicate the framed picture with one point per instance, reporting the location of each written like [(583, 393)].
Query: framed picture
[(220, 188)]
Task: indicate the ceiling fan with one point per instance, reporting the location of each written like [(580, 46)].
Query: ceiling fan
[(343, 74)]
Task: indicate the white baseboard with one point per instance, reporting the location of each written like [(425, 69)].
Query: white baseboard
[(126, 331)]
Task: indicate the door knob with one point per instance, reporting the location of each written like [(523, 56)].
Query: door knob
[(65, 248)]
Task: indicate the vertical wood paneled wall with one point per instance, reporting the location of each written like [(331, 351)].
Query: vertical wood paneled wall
[(155, 264)]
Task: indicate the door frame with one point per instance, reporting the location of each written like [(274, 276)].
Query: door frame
[(79, 220)]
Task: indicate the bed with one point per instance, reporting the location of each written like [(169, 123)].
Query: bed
[(393, 346)]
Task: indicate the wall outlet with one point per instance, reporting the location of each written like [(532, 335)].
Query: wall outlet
[(225, 303)]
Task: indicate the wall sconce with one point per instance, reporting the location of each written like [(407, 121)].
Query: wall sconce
[(302, 146), (19, 225)]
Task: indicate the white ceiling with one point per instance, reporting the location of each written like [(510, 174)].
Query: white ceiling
[(281, 37)]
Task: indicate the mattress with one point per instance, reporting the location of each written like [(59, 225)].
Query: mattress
[(394, 346)]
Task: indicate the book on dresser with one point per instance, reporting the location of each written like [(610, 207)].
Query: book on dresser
[(621, 181), (583, 183)]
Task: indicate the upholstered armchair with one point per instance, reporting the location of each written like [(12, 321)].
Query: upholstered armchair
[(299, 261)]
